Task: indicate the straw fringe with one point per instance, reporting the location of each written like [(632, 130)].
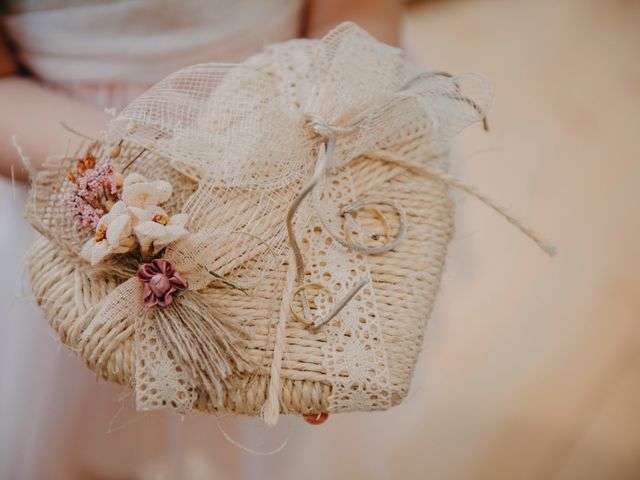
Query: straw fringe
[(208, 346)]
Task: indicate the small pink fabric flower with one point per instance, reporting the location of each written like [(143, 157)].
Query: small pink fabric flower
[(160, 281)]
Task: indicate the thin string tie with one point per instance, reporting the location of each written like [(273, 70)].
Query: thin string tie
[(323, 162), (296, 272), (452, 181)]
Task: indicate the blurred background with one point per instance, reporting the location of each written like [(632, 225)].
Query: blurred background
[(531, 365)]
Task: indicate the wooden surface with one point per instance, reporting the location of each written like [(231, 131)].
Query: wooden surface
[(531, 365)]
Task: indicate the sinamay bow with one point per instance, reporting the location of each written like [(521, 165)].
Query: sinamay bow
[(269, 143)]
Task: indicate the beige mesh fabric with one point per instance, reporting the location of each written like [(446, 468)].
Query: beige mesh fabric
[(237, 145)]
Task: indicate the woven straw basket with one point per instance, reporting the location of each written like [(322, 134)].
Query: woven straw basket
[(67, 292), (404, 281)]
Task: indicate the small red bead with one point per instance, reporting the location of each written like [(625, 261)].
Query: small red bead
[(315, 418)]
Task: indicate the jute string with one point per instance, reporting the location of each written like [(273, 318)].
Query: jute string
[(452, 181)]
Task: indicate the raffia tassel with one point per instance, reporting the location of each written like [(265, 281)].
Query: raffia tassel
[(209, 347)]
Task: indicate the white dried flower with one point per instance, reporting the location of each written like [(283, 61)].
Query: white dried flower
[(113, 235), (138, 191), (154, 229)]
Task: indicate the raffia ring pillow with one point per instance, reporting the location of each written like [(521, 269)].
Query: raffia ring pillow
[(318, 218)]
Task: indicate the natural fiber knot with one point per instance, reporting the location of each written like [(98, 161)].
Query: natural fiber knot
[(324, 129)]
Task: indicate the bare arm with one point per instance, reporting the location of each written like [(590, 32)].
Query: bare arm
[(33, 112), (381, 18)]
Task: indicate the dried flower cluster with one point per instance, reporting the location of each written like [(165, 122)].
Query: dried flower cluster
[(113, 235), (136, 220), (93, 192)]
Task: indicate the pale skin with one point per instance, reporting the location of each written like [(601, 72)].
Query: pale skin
[(33, 111)]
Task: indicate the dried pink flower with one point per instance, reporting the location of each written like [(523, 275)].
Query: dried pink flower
[(160, 281), (91, 194)]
